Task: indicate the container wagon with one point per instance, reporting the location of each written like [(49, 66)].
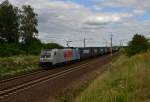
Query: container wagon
[(50, 57)]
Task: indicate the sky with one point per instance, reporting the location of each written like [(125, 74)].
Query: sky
[(94, 20)]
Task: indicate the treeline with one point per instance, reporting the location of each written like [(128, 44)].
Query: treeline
[(18, 31), (138, 44)]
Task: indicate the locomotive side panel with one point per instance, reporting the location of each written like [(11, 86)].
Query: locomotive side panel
[(68, 55)]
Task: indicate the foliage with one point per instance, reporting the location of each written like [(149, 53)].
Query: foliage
[(34, 48), (18, 31), (125, 81), (10, 49), (10, 66), (51, 46), (138, 44), (9, 25), (29, 24), (7, 50)]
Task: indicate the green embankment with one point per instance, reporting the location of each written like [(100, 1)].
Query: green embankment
[(127, 80), (10, 66)]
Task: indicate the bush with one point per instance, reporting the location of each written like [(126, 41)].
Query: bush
[(139, 44), (10, 50), (51, 46), (33, 48), (7, 49), (11, 66)]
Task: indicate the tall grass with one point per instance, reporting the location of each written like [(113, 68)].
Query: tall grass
[(10, 66), (127, 80)]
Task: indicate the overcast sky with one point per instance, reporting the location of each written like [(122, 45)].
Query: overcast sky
[(61, 20)]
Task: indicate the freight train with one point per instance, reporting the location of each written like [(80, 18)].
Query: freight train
[(51, 57)]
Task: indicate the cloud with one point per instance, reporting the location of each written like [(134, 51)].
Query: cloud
[(106, 18), (136, 4), (62, 16), (102, 19), (116, 3), (138, 12), (65, 20)]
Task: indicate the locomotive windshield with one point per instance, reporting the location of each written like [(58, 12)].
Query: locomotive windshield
[(45, 56), (46, 52)]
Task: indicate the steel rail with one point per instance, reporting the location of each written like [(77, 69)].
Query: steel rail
[(20, 76), (21, 87)]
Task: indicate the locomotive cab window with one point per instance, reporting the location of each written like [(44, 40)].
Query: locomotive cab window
[(45, 56)]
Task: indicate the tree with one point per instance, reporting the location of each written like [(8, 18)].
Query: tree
[(52, 46), (9, 25), (138, 44), (29, 24)]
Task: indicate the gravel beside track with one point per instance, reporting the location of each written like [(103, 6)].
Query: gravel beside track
[(39, 86)]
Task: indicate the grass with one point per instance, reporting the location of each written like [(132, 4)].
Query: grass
[(74, 89), (127, 80), (11, 66)]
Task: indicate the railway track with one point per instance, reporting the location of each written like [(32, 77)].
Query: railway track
[(6, 91), (14, 81), (20, 76), (32, 74)]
